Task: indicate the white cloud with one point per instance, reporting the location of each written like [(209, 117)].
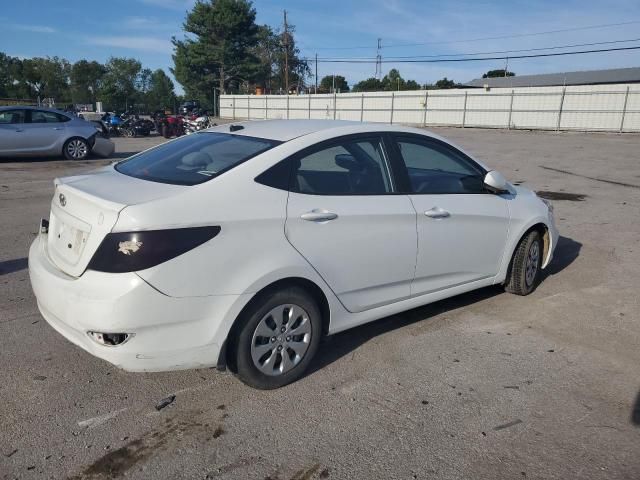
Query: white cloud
[(146, 44), (35, 28)]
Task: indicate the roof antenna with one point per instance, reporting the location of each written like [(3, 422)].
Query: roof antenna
[(234, 128)]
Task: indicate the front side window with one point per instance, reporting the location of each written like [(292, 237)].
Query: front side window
[(40, 116), (12, 116), (434, 168), (349, 167), (194, 158)]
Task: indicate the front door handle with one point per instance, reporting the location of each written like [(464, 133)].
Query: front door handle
[(319, 215), (19, 130), (437, 212), (57, 128)]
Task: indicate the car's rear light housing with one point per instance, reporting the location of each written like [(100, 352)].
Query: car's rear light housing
[(133, 251)]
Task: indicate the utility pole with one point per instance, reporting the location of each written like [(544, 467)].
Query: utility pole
[(379, 60), (316, 91), (506, 66), (286, 53), (333, 84)]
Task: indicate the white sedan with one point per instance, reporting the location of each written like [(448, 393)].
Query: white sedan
[(244, 244)]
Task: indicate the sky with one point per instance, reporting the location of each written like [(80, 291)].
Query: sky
[(142, 29)]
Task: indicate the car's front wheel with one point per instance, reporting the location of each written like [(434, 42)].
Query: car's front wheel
[(76, 149), (277, 338), (526, 265)]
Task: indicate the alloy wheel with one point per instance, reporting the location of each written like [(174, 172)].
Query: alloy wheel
[(281, 339), (77, 149), (531, 268)]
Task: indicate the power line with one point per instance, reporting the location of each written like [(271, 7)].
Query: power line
[(501, 37), (511, 57), (555, 47)]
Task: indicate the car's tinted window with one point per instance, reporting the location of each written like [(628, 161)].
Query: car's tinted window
[(195, 158), (350, 167), (434, 168), (12, 116), (41, 116)]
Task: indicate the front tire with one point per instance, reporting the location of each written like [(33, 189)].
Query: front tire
[(76, 149), (277, 338), (526, 265)]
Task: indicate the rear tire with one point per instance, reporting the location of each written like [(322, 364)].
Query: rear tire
[(166, 131), (525, 268), (76, 148), (277, 338)]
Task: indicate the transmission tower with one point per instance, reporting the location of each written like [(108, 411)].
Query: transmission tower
[(379, 60)]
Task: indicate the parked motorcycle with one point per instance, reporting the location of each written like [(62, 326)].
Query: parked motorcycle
[(168, 125), (197, 122), (134, 126)]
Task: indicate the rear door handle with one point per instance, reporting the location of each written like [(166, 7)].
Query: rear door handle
[(437, 212), (19, 130), (57, 128), (319, 215)]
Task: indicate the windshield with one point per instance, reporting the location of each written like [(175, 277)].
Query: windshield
[(194, 158)]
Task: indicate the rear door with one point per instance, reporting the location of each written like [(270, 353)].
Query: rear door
[(345, 217), (12, 138), (462, 228), (44, 131)]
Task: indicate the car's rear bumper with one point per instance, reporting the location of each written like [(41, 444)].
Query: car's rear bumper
[(169, 333)]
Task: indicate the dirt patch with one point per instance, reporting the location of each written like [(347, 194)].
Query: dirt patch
[(572, 197)]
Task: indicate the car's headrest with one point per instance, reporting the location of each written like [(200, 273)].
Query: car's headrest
[(195, 159)]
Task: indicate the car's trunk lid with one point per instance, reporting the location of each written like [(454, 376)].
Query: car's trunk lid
[(85, 208)]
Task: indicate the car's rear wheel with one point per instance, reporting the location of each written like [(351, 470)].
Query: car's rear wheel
[(76, 149), (524, 272), (277, 338)]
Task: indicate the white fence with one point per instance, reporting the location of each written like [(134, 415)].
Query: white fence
[(613, 108)]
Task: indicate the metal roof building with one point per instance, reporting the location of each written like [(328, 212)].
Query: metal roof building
[(590, 77)]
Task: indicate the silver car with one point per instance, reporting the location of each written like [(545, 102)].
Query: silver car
[(34, 131)]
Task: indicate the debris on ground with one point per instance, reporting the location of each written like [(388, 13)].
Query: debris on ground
[(507, 425), (165, 402)]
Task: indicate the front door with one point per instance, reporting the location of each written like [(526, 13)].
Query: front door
[(344, 218), (462, 228)]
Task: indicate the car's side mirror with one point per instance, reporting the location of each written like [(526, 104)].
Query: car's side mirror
[(495, 182)]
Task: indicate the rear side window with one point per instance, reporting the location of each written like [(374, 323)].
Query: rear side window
[(434, 168), (12, 116), (194, 158), (41, 116), (350, 167)]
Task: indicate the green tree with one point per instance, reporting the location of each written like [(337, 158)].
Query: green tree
[(498, 73), (47, 77), (161, 92), (369, 85), (86, 78), (119, 83), (270, 51), (327, 84), (445, 83), (218, 48)]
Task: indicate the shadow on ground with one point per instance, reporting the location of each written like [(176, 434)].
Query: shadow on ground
[(10, 266), (566, 252), (344, 343), (635, 413)]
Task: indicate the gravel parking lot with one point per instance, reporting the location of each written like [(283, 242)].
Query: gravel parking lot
[(485, 385)]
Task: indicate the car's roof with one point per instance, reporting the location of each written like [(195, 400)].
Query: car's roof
[(31, 107), (285, 130)]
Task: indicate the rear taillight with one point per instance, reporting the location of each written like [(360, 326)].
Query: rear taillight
[(133, 251)]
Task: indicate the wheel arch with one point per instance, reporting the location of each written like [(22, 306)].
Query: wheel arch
[(224, 357), (543, 229)]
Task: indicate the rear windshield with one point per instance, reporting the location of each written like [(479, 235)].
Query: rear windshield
[(194, 158)]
